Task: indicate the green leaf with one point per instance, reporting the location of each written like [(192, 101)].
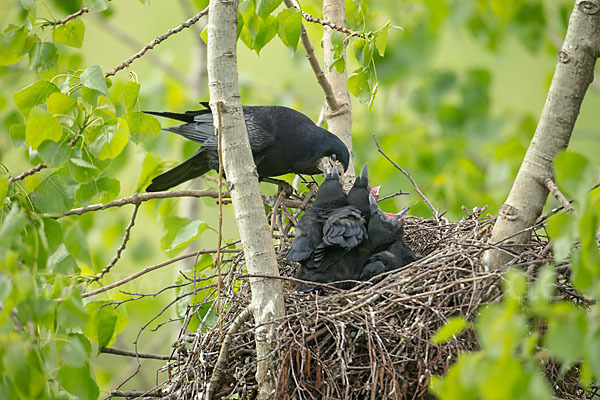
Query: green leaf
[(33, 95), (70, 313), (267, 31), (337, 61), (110, 186), (96, 5), (114, 140), (3, 188), (43, 56), (187, 234), (453, 327), (561, 229), (142, 127), (565, 336), (266, 7), (54, 154), (570, 170), (79, 382), (41, 126), (5, 287), (12, 44), (77, 244), (70, 33), (359, 49), (62, 262), (290, 26), (14, 222), (55, 193), (130, 94), (381, 40), (93, 78), (17, 134), (74, 350), (60, 103), (359, 86), (53, 232), (543, 289), (106, 322)]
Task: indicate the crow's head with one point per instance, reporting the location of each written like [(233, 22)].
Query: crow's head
[(339, 152), (384, 228)]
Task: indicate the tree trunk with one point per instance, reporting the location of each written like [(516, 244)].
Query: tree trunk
[(339, 121), (574, 73), (242, 179)]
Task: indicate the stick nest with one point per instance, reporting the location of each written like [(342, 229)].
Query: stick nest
[(371, 342)]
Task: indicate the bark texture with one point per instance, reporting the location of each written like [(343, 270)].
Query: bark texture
[(242, 179), (574, 73), (339, 120)]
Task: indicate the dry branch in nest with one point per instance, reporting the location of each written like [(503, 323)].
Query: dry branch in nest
[(371, 342)]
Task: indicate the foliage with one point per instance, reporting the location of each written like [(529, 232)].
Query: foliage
[(530, 327), (81, 136)]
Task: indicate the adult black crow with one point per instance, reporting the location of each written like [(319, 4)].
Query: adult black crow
[(282, 141), (388, 249)]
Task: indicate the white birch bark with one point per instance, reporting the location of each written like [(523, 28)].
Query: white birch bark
[(574, 73), (339, 121), (242, 178)]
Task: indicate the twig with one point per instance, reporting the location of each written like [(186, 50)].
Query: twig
[(25, 174), (335, 27), (70, 17), (435, 211), (156, 41), (122, 246), (389, 196), (142, 197), (152, 268), (136, 393), (332, 102), (127, 353), (220, 106), (124, 37), (559, 196), (242, 317)]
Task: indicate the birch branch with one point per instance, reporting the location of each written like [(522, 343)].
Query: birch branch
[(572, 77)]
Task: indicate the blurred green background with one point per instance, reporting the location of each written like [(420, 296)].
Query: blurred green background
[(461, 87)]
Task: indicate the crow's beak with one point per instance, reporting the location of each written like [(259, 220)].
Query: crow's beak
[(375, 191), (364, 173)]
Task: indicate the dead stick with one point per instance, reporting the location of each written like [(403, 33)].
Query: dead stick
[(242, 317), (435, 211), (127, 353), (559, 196)]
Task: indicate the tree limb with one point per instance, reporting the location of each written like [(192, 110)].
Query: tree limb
[(156, 41), (573, 74)]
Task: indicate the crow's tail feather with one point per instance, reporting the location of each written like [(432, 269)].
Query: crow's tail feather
[(188, 116), (191, 168)]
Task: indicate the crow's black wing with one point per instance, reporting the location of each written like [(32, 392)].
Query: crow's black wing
[(345, 227)]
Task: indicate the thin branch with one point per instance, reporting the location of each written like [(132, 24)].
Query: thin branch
[(152, 268), (136, 393), (70, 17), (156, 41), (122, 246), (242, 317), (25, 174), (435, 211), (335, 27), (127, 353), (124, 37), (220, 106), (142, 197), (314, 63), (559, 196)]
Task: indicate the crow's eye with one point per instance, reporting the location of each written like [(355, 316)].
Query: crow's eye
[(334, 157)]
